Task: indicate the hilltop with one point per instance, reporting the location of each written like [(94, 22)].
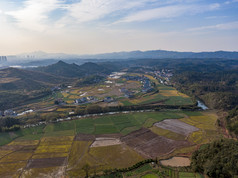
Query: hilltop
[(73, 70), (19, 79)]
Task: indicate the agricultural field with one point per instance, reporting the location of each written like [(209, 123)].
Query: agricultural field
[(105, 142), (112, 87)]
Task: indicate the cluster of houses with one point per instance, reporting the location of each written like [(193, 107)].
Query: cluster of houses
[(92, 99), (146, 87), (164, 76), (127, 93), (56, 88), (8, 112), (85, 100)]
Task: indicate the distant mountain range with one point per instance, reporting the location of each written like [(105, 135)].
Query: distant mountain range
[(153, 54)]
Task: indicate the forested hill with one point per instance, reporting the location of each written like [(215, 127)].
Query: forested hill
[(75, 71), (19, 79), (215, 81)]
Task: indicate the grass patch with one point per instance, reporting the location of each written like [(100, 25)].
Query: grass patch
[(7, 137), (178, 100), (126, 103), (143, 168), (105, 129), (85, 126), (187, 175), (67, 125), (60, 133), (150, 176)]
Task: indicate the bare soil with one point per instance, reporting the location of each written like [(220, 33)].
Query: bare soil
[(116, 135), (105, 141), (176, 126), (176, 162), (151, 145), (84, 137), (46, 162)]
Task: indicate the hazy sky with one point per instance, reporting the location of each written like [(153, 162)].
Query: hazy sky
[(98, 26)]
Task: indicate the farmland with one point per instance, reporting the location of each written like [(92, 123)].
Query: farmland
[(94, 144), (116, 88), (104, 142)]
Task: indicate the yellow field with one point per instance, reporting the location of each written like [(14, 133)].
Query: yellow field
[(76, 91), (100, 158), (52, 148), (44, 172), (74, 96), (208, 121), (116, 156), (24, 142), (65, 95), (49, 155), (152, 78), (57, 139), (167, 133), (78, 158), (55, 144), (198, 137), (63, 109), (16, 156), (77, 151), (185, 150), (172, 93), (70, 102), (11, 169)]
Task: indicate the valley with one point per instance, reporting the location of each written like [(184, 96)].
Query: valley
[(133, 122)]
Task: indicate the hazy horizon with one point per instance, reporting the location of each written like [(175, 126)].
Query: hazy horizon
[(104, 26)]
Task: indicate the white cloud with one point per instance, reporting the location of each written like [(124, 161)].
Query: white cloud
[(224, 26), (168, 12), (89, 10), (232, 1), (33, 15)]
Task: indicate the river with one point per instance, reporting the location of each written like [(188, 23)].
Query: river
[(202, 105)]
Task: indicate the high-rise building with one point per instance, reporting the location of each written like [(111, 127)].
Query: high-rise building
[(3, 58)]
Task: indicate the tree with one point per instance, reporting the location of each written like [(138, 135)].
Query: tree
[(86, 168)]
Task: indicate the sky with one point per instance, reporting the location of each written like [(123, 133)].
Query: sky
[(101, 26)]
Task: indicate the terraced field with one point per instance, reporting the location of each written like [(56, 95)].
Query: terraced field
[(105, 142)]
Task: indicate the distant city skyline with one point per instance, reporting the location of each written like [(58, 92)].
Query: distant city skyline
[(104, 26)]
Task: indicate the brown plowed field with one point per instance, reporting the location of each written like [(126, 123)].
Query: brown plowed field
[(116, 135), (151, 145), (46, 162), (84, 137), (176, 126), (89, 137)]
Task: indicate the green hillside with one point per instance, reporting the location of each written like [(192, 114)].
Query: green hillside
[(73, 70)]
